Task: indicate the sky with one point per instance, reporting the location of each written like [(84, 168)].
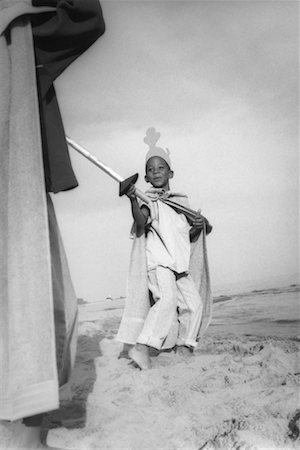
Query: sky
[(219, 81)]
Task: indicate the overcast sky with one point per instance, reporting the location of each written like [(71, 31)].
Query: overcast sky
[(219, 81)]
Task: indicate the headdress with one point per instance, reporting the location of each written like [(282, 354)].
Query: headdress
[(151, 139)]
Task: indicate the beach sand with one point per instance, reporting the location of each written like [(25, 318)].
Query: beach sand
[(240, 389)]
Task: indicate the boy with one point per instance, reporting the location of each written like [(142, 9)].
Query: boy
[(168, 252)]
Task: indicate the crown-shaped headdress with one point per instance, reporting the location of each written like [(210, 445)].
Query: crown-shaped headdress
[(151, 139)]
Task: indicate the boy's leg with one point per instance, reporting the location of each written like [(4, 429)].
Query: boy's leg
[(190, 311), (162, 283)]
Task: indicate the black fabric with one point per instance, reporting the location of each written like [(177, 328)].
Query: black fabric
[(59, 38)]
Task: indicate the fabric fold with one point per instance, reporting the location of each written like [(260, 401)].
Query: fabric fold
[(28, 373), (35, 285)]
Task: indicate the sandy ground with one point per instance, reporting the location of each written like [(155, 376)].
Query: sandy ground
[(240, 389)]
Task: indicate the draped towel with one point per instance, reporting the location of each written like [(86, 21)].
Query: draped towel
[(35, 282)]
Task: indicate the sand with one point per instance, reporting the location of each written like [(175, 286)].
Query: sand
[(240, 389)]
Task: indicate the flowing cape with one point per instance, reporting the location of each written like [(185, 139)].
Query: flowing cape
[(35, 284), (137, 303)]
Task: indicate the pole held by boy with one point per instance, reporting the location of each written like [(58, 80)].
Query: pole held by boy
[(124, 183)]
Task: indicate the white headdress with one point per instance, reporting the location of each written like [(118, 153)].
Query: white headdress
[(151, 139)]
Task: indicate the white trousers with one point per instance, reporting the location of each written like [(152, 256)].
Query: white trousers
[(171, 294)]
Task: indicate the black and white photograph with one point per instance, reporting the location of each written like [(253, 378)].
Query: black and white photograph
[(149, 225)]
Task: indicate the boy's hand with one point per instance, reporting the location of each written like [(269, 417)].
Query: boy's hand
[(131, 192), (199, 221)]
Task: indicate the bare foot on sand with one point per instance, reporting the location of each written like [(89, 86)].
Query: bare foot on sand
[(140, 355), (182, 350)]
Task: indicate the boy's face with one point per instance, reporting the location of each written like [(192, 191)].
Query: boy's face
[(158, 172)]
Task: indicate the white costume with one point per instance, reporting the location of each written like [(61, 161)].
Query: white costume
[(175, 271), (168, 252)]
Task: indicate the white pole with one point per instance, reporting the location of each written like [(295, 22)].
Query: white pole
[(94, 160), (103, 167)]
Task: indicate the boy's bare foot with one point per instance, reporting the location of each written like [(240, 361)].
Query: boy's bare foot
[(140, 355), (182, 350)]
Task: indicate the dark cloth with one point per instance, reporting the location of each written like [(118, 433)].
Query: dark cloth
[(59, 38), (34, 421)]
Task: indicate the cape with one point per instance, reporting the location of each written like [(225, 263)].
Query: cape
[(38, 305), (137, 303)]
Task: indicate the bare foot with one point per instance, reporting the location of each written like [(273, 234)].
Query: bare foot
[(182, 350), (140, 355)]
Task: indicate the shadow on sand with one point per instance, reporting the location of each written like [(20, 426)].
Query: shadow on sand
[(72, 411)]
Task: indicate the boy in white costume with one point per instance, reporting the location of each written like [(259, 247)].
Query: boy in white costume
[(168, 252)]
